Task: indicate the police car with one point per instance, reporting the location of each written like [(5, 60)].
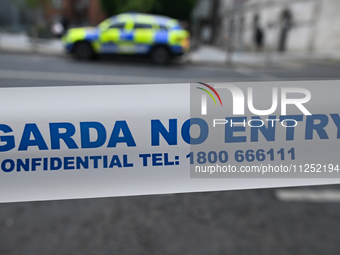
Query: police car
[(159, 37)]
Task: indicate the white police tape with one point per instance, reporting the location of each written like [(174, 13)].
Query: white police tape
[(100, 141)]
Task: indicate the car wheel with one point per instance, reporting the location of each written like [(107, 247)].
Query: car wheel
[(160, 55), (83, 51)]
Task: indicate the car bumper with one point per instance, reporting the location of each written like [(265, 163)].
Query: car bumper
[(68, 47)]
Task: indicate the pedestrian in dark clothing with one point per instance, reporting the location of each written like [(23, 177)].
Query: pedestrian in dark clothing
[(259, 38)]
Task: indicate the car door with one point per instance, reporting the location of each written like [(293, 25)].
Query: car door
[(126, 42), (143, 37), (110, 38)]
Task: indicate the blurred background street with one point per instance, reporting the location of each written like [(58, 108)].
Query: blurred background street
[(231, 40), (41, 70)]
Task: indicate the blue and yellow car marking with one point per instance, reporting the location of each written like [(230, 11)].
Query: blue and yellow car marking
[(106, 38)]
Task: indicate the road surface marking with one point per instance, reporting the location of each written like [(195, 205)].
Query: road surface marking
[(80, 77), (302, 195), (254, 74)]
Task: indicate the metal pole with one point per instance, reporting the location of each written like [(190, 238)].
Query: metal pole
[(34, 39), (230, 46), (0, 39), (230, 41)]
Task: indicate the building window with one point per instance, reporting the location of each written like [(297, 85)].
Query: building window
[(57, 4), (81, 5)]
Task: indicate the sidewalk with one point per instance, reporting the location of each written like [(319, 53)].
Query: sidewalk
[(22, 43), (209, 55)]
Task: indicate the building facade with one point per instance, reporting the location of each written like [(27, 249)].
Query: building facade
[(284, 25), (75, 12), (18, 15)]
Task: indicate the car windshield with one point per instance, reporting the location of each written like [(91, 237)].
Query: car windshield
[(106, 23)]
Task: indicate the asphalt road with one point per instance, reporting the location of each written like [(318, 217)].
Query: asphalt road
[(231, 222), (38, 70)]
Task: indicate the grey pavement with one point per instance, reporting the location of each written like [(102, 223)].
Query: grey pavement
[(206, 54), (263, 221), (21, 43), (232, 222)]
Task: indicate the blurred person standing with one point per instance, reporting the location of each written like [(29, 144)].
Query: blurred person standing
[(258, 34), (57, 28), (259, 38), (286, 24)]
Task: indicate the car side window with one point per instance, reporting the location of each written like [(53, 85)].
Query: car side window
[(162, 27), (142, 26), (119, 25)]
